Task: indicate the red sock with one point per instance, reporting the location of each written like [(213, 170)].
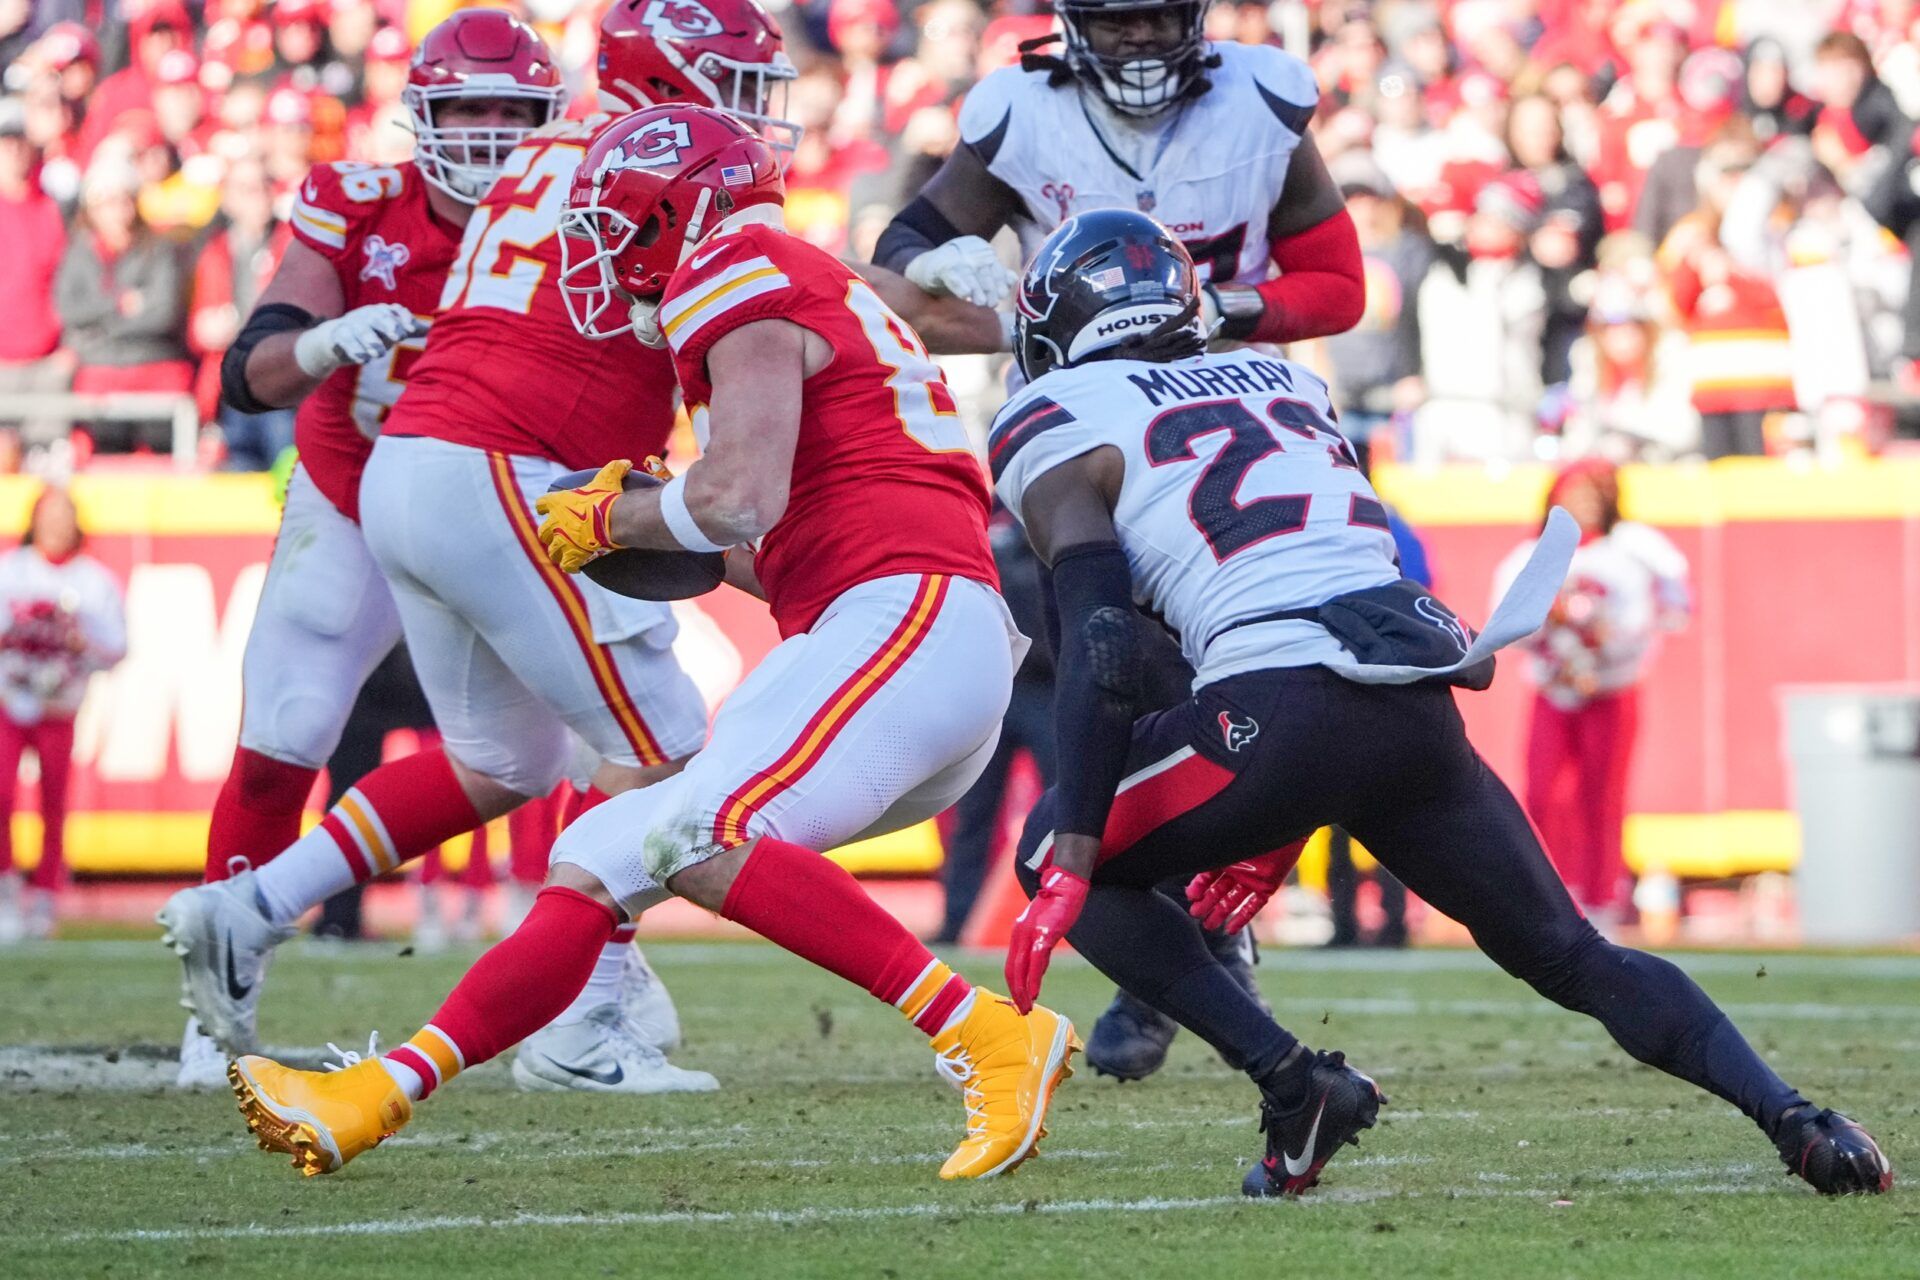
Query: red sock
[(809, 905), (398, 812), (530, 833), (478, 873), (624, 934), (578, 802), (526, 981), (257, 813)]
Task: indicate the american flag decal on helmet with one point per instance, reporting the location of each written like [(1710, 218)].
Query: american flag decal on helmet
[(736, 175)]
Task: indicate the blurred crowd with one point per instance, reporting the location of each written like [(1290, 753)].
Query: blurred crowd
[(1637, 229)]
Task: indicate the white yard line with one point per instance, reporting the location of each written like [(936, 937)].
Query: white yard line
[(1279, 961), (816, 1216)]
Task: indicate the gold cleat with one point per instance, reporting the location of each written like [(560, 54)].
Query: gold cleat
[(321, 1118), (1006, 1067)]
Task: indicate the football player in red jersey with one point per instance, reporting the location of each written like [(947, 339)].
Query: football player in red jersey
[(482, 619), (335, 332), (499, 330), (830, 445)]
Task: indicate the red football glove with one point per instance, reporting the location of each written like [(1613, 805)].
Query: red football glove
[(1045, 921), (1232, 896)]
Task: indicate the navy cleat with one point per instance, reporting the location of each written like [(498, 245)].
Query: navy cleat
[(1832, 1154), (1130, 1040), (1300, 1140)]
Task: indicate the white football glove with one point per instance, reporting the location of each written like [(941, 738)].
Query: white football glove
[(362, 334), (965, 268)]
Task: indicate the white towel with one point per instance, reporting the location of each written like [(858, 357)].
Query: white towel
[(1520, 613)]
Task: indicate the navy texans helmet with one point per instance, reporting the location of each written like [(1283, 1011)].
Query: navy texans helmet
[(1107, 284)]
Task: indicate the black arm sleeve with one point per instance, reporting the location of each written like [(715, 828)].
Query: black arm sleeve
[(275, 317), (1097, 684), (914, 230)]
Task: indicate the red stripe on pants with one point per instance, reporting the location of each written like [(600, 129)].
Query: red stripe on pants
[(1156, 801)]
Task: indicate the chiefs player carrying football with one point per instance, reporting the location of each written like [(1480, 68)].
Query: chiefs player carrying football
[(557, 654), (335, 332), (831, 444)]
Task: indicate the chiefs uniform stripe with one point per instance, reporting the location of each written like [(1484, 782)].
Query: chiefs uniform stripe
[(318, 224), (573, 604), (1009, 437), (681, 320), (730, 828)]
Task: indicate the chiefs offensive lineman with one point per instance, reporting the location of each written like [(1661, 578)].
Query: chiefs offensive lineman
[(506, 397), (336, 332), (1140, 111), (831, 445)]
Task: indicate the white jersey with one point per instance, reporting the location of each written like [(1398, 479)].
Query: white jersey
[(1240, 499), (1210, 170)]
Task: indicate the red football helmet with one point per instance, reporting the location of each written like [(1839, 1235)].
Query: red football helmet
[(476, 53), (716, 53), (652, 186)]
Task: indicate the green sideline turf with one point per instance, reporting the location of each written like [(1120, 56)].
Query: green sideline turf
[(1519, 1141)]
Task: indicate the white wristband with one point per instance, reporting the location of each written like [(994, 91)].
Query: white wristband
[(680, 522), (314, 351)]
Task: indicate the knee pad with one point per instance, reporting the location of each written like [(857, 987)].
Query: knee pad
[(636, 841), (528, 767), (296, 727)]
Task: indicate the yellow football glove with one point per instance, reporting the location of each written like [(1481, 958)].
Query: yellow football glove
[(574, 529)]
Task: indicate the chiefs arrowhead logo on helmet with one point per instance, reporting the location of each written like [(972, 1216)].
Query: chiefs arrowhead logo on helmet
[(653, 186), (725, 54)]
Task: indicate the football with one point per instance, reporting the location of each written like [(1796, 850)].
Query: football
[(648, 573)]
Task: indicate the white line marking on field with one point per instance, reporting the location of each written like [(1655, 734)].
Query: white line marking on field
[(810, 1217), (1281, 961)]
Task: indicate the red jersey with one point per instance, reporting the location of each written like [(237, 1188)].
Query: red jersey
[(885, 480), (387, 245), (506, 370)]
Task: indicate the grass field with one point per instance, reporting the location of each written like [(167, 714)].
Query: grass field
[(1519, 1142)]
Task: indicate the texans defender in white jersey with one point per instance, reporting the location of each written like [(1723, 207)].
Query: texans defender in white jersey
[(1140, 111), (1214, 491)]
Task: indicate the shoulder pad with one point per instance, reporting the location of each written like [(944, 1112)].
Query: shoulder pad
[(1284, 83)]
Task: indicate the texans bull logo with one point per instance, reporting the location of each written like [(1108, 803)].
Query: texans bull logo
[(1237, 733), (1444, 618)]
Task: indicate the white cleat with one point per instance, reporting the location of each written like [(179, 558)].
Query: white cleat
[(647, 1005), (223, 941), (601, 1054), (202, 1065)]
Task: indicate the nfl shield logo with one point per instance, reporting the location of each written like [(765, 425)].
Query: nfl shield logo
[(383, 259), (1145, 198)]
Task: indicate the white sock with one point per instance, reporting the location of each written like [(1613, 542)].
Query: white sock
[(959, 1014), (406, 1077), (602, 988), (311, 870)]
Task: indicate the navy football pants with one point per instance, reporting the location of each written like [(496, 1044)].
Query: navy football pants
[(1253, 762)]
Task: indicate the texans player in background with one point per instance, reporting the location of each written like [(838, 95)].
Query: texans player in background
[(1141, 111), (335, 332), (837, 477), (1295, 722)]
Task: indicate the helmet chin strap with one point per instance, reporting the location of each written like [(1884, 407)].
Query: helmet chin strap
[(645, 314)]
